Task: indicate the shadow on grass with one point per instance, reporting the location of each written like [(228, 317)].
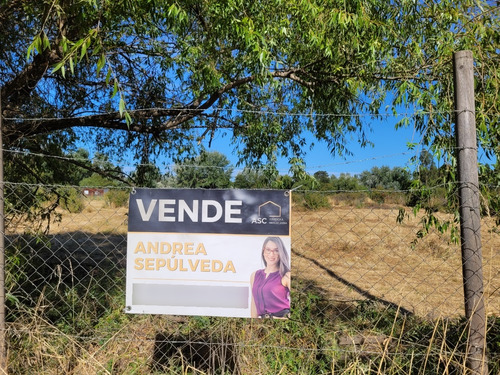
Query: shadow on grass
[(202, 351), (65, 274), (353, 286)]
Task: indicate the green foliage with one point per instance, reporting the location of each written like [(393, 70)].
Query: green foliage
[(251, 178), (312, 200), (345, 182), (41, 183), (209, 170), (97, 180), (146, 176), (72, 201), (386, 178), (322, 177), (305, 193), (117, 198), (283, 182), (34, 193), (379, 196), (163, 77)]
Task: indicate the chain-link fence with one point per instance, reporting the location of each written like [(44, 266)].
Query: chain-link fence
[(370, 292)]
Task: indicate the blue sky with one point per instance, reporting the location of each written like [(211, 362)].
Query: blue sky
[(390, 149)]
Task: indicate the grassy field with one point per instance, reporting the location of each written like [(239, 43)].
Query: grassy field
[(357, 252), (366, 298)]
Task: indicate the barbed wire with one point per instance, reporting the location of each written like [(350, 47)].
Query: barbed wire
[(311, 115), (172, 167), (298, 189), (69, 186)]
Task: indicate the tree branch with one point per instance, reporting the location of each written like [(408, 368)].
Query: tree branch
[(14, 129), (19, 88)]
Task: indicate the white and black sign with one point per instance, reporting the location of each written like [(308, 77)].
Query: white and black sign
[(192, 251)]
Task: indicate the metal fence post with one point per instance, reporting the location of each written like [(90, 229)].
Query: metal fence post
[(470, 220)]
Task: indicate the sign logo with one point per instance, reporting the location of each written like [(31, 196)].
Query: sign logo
[(269, 213)]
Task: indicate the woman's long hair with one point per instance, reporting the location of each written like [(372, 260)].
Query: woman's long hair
[(284, 265)]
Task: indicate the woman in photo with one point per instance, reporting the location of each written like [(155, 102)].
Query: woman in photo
[(270, 286)]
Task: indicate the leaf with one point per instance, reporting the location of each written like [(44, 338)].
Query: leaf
[(83, 50), (46, 42), (115, 89), (57, 66), (11, 298), (64, 45), (36, 43), (30, 50), (173, 10), (100, 63), (128, 118), (121, 106), (108, 75)]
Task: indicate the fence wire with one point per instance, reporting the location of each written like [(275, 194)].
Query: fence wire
[(370, 293)]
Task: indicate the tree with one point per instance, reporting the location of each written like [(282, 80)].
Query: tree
[(396, 178), (427, 172), (96, 180), (345, 182), (322, 177), (136, 74), (209, 170), (250, 178), (147, 175), (101, 173)]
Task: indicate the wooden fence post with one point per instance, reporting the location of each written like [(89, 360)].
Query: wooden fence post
[(470, 219)]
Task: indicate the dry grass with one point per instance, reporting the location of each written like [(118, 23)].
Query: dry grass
[(348, 253), (354, 253), (357, 253), (97, 217)]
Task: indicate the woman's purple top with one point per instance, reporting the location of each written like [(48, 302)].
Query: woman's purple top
[(269, 294)]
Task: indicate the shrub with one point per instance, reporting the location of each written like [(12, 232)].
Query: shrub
[(72, 201), (316, 201), (379, 196)]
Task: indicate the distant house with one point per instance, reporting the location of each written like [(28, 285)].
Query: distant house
[(94, 192)]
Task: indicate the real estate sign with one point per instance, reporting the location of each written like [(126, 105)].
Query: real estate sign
[(192, 251)]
